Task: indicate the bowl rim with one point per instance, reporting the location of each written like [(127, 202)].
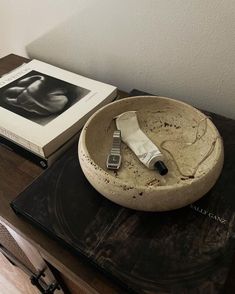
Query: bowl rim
[(216, 161)]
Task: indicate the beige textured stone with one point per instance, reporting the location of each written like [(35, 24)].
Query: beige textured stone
[(190, 142)]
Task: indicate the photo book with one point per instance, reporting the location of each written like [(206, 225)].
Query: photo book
[(43, 107)]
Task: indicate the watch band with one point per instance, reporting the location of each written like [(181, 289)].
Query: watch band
[(116, 146), (114, 157)]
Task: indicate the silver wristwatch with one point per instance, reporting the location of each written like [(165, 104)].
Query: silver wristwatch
[(114, 157)]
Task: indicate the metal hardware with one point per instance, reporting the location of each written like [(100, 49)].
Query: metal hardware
[(35, 278), (51, 288), (114, 157)]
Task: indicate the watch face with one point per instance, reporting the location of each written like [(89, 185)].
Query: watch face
[(114, 159)]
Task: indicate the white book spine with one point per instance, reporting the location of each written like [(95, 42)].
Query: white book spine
[(21, 141)]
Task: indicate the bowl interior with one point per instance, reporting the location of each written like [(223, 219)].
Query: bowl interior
[(186, 137)]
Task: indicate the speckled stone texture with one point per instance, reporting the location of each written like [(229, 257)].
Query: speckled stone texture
[(190, 142)]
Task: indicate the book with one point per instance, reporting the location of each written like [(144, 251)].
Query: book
[(189, 250), (43, 162), (43, 106)]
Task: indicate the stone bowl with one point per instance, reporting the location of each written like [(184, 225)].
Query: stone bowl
[(191, 144)]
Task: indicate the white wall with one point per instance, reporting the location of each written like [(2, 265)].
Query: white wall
[(25, 20), (182, 49)]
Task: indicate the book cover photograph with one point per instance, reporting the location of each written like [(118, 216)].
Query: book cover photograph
[(43, 106), (39, 97), (188, 250)]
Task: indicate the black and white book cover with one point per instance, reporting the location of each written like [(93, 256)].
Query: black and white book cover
[(42, 106)]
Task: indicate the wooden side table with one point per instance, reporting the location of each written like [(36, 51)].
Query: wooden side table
[(15, 174)]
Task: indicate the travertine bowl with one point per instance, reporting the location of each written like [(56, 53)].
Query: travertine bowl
[(190, 142)]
